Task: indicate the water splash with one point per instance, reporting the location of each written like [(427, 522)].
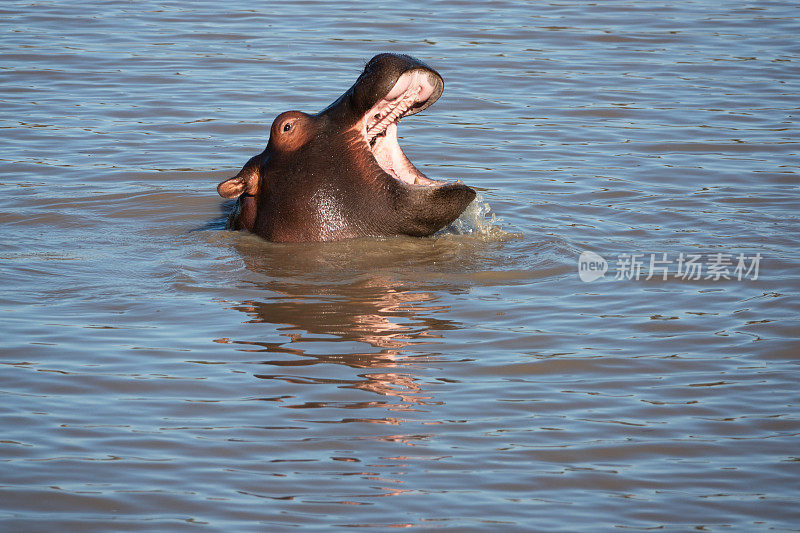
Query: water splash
[(480, 221)]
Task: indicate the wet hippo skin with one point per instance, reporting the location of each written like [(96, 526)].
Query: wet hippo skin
[(341, 174)]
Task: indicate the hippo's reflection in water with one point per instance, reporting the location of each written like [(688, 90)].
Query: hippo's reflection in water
[(383, 318), (351, 317)]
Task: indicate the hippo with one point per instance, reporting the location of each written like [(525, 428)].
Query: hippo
[(341, 174)]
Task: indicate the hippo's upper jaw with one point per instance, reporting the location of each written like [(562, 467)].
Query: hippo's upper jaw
[(413, 91), (341, 173)]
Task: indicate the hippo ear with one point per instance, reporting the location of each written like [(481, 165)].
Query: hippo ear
[(245, 182), (232, 188)]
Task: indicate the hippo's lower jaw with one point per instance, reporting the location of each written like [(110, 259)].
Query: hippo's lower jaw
[(413, 91)]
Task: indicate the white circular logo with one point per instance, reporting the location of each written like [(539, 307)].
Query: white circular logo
[(591, 266)]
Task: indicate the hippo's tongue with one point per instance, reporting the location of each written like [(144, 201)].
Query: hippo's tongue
[(393, 161)]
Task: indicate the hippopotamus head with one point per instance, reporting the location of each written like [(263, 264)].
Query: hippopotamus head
[(341, 173)]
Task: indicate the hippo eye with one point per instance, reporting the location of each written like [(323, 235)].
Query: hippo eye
[(287, 126)]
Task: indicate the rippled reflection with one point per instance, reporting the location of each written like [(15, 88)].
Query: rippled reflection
[(348, 304), (381, 316)]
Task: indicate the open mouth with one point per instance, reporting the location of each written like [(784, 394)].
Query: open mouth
[(414, 91)]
